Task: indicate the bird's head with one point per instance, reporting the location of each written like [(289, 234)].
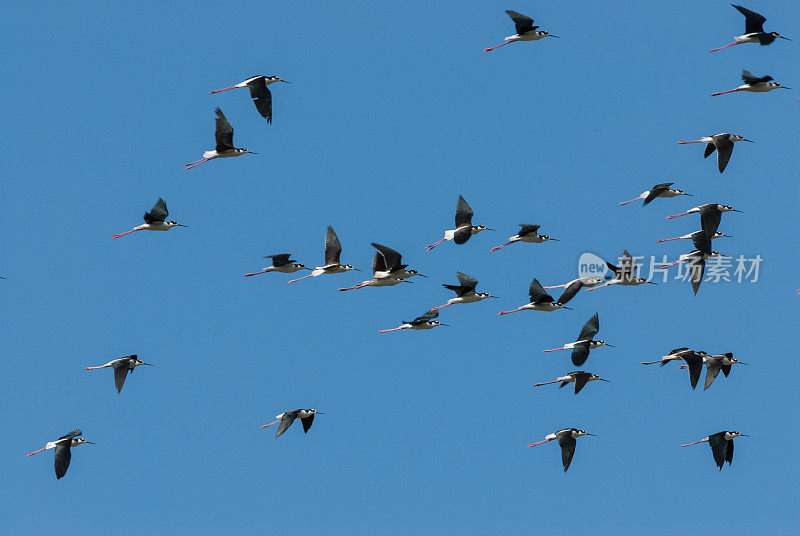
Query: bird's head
[(313, 411), (579, 433), (301, 266), (737, 137), (591, 281), (776, 34), (545, 238), (272, 79), (348, 267), (173, 223), (734, 433), (596, 377), (478, 228), (137, 362), (412, 273), (545, 33), (80, 441), (484, 295)]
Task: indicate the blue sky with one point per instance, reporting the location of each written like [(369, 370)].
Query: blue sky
[(394, 111)]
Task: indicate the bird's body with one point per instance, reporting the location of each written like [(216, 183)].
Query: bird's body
[(465, 291), (585, 342), (526, 31), (754, 30), (694, 236), (224, 137), (710, 216), (754, 84), (624, 274), (154, 220), (286, 419), (540, 301), (121, 367), (573, 287), (721, 143), (673, 355), (62, 447), (387, 269), (333, 251), (529, 234), (721, 445), (659, 190), (259, 92), (566, 440), (464, 228), (692, 358), (579, 377), (715, 364), (425, 321), (283, 263)]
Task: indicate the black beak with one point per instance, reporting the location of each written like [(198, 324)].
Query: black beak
[(751, 141), (286, 81), (782, 37)]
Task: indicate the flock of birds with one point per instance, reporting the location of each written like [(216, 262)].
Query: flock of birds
[(388, 269)]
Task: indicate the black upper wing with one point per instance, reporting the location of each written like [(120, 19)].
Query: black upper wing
[(378, 263), (307, 422), (430, 315), (333, 248), (121, 368), (713, 366), (522, 23), (709, 221), (223, 132), (695, 364), (286, 421), (392, 258), (754, 22), (527, 228), (262, 97), (581, 379), (657, 190), (466, 280), (537, 293), (719, 448), (281, 259), (580, 353), (590, 328), (567, 443), (158, 213), (464, 214), (752, 80), (462, 235), (570, 292), (724, 151), (63, 455)]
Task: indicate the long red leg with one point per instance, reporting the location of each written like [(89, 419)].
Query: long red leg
[(558, 286), (726, 46), (256, 273), (441, 306), (498, 46), (509, 312), (595, 288), (690, 444), (189, 166), (677, 215), (723, 92), (651, 362), (360, 285), (223, 89), (554, 349), (270, 424), (497, 248), (667, 239), (299, 278), (431, 246), (539, 443), (631, 201), (35, 452), (671, 264), (545, 383), (123, 234), (95, 368), (690, 141), (393, 329)]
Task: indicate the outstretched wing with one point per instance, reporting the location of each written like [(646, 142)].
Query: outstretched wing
[(262, 97), (695, 364), (307, 422), (71, 435), (466, 280), (713, 366), (430, 315), (522, 23), (581, 379), (378, 263), (657, 190), (121, 368), (223, 132), (752, 80), (580, 353), (724, 151), (158, 213), (527, 228), (567, 443), (570, 292), (281, 259), (719, 448), (63, 455), (391, 257), (463, 214), (537, 293), (286, 421), (709, 221), (462, 235), (333, 248), (753, 22), (590, 328)]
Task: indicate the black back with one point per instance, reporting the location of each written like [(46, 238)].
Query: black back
[(527, 228), (121, 367), (466, 284), (657, 190), (281, 259), (430, 315), (262, 97), (522, 23), (695, 363), (567, 444), (721, 448), (590, 328), (753, 22), (752, 80), (158, 213), (333, 248), (223, 132), (307, 422), (464, 215), (581, 379), (391, 257), (462, 235), (538, 294), (580, 353), (710, 217), (724, 151)]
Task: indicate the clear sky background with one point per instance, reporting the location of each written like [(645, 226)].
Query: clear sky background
[(393, 113)]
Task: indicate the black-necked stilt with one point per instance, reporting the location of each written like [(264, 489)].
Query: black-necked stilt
[(673, 355), (696, 259), (753, 30), (721, 445), (572, 288), (566, 440), (393, 264), (62, 452), (121, 367), (722, 143), (286, 419), (528, 233), (526, 31), (425, 321), (465, 291), (580, 378), (259, 92), (659, 190), (693, 236), (754, 84), (585, 342), (540, 300), (333, 249), (382, 274), (715, 363), (154, 220), (710, 216), (281, 263), (624, 274), (225, 148), (464, 228)]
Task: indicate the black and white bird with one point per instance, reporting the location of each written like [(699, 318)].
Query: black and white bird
[(283, 263), (259, 92), (526, 31), (659, 190), (333, 250), (579, 377), (566, 440), (754, 84), (63, 454), (464, 228), (624, 274), (386, 270), (425, 321), (710, 216), (225, 147), (715, 363), (121, 367), (540, 300), (721, 445), (572, 288), (694, 236), (528, 233), (722, 143), (465, 291), (286, 419), (585, 342), (753, 30), (674, 355), (155, 220), (696, 259)]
